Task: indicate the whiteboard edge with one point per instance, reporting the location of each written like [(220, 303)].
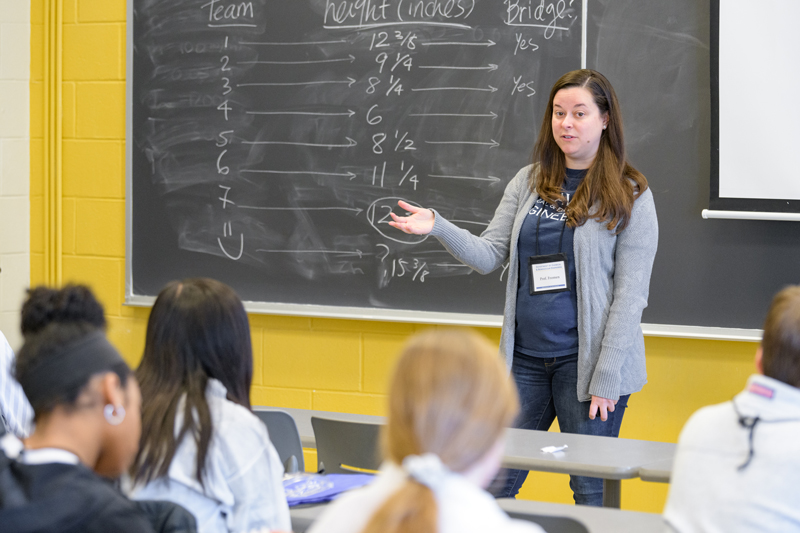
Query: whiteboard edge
[(460, 319), (750, 215)]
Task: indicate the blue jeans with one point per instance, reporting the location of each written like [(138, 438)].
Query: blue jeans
[(548, 390)]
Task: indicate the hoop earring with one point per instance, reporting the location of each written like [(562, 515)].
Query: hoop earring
[(114, 414)]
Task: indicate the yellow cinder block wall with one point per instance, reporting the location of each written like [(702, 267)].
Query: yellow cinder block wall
[(313, 363)]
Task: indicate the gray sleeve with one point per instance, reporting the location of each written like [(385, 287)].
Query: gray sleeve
[(633, 264), (489, 251)]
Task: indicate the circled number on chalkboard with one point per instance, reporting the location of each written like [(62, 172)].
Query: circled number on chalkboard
[(378, 215)]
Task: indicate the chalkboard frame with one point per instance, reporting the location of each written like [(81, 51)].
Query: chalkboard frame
[(135, 300)]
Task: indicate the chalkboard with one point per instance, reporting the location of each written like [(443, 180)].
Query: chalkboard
[(271, 139), (708, 274)]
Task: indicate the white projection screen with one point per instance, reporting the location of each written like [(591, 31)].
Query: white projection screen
[(755, 78)]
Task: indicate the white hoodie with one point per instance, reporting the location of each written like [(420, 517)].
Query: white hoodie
[(715, 489)]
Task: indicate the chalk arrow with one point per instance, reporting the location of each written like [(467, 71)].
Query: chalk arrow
[(356, 209), (296, 43), (491, 114), (487, 44), (490, 67), (350, 81), (357, 252), (493, 144), (350, 143), (349, 58), (489, 90), (493, 179), (349, 175), (349, 113)]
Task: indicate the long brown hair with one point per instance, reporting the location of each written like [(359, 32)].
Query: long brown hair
[(611, 185), (197, 330), (450, 395), (781, 341)]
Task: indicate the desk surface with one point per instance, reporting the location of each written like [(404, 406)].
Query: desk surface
[(596, 519), (660, 471), (603, 457)]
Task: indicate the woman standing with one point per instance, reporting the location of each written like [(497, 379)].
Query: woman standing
[(579, 229)]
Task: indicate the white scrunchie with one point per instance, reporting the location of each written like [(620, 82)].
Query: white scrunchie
[(427, 469)]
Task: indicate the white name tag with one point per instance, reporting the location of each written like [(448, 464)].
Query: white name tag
[(549, 273)]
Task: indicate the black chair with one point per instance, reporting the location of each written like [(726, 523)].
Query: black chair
[(346, 447), (285, 437), (552, 524)]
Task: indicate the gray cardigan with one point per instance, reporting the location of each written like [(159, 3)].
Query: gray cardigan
[(613, 281)]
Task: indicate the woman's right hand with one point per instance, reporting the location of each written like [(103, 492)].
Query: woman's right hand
[(420, 222)]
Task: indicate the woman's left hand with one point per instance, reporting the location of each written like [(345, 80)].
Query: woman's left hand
[(604, 405)]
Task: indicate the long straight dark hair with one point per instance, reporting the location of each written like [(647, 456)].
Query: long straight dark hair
[(611, 185), (198, 330)]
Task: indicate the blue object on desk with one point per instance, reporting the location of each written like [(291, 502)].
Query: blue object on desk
[(317, 488)]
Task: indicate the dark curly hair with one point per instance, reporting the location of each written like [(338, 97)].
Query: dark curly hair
[(46, 344), (70, 304)]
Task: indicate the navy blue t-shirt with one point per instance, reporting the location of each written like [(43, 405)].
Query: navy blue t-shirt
[(547, 324)]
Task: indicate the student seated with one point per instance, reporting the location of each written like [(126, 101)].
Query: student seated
[(450, 401), (86, 410), (72, 303), (201, 445), (738, 463)]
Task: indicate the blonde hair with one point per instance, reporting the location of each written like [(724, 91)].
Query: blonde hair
[(450, 395)]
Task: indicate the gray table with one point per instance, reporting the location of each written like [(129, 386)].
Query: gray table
[(596, 519), (604, 457), (660, 471), (610, 459)]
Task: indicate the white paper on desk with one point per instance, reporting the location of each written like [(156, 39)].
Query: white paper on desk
[(554, 449)]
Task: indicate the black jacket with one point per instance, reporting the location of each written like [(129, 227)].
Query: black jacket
[(63, 498)]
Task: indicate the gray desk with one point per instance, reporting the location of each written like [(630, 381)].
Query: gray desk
[(660, 471), (596, 520), (603, 457)]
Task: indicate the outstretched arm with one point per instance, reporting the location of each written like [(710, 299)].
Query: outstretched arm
[(485, 253)]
